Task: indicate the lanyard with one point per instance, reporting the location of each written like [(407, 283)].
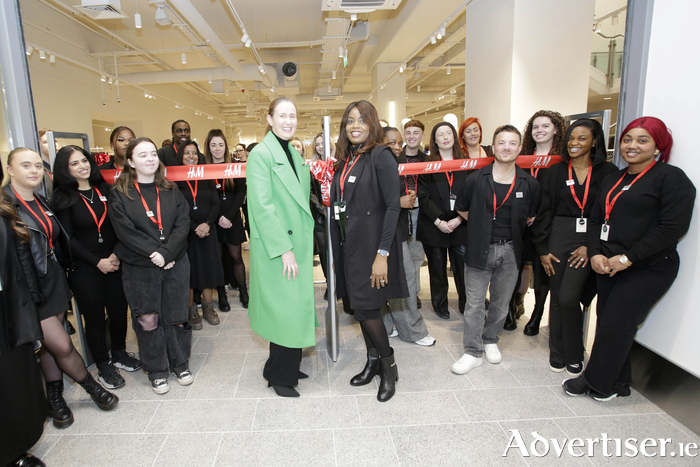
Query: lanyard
[(47, 230), (149, 213), (221, 185), (94, 216), (512, 185), (344, 175), (194, 192), (450, 176), (610, 205), (588, 184)]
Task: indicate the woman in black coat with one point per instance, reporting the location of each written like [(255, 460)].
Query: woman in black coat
[(440, 228), (366, 248), (22, 400)]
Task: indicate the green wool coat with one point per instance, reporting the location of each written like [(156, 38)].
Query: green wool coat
[(280, 310)]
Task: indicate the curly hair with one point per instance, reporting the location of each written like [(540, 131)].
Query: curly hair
[(529, 144)]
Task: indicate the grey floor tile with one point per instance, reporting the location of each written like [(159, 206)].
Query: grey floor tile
[(203, 416), (306, 413), (423, 408), (524, 432), (350, 362), (535, 373), (427, 369), (44, 445), (240, 343), (271, 449), (586, 406), (218, 377), (684, 429), (105, 450), (624, 427), (251, 383), (511, 404), (188, 449), (452, 334), (126, 417), (376, 448), (463, 445), (208, 329), (237, 323), (492, 376)]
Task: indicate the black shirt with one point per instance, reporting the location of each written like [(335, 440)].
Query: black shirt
[(501, 229), (647, 220), (285, 146)]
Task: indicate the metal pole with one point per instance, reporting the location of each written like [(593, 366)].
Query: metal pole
[(332, 334)]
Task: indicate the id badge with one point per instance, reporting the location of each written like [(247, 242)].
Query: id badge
[(103, 198), (581, 224), (569, 182), (453, 200), (149, 213), (218, 186), (48, 213), (604, 232)]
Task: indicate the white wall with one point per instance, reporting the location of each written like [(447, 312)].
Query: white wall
[(671, 94)]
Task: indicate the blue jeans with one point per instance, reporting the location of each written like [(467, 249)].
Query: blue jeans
[(502, 273)]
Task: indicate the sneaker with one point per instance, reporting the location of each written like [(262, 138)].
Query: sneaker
[(575, 369), (109, 376), (427, 341), (492, 354), (394, 332), (466, 364), (160, 385), (184, 377), (619, 390), (125, 361), (557, 367), (247, 246), (576, 386)]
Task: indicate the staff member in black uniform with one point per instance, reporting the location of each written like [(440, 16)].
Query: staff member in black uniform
[(22, 400), (568, 193), (366, 245), (119, 140), (440, 228), (180, 130), (206, 271), (151, 219), (229, 228), (639, 216), (51, 253)]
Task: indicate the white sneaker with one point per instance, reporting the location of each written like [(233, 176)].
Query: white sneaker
[(247, 246), (466, 364), (394, 332), (492, 354), (427, 341)]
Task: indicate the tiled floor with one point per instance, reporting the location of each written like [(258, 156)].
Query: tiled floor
[(228, 416)]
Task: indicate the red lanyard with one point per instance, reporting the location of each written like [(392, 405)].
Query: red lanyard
[(588, 184), (512, 185), (221, 185), (194, 192), (149, 213), (47, 230), (450, 176), (94, 216), (608, 205), (344, 175)]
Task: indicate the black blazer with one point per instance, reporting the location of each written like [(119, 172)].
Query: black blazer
[(434, 196), (371, 219)]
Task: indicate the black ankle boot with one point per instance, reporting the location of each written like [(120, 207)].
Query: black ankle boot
[(532, 328), (510, 323), (370, 371), (58, 409), (243, 295), (223, 300), (27, 460), (519, 305), (389, 376), (103, 398)]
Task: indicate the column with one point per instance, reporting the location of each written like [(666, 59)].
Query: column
[(390, 101)]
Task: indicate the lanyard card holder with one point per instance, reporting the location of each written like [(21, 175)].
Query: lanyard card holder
[(453, 200), (339, 211), (581, 224)]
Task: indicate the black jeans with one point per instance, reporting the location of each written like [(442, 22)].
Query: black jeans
[(282, 368), (95, 291), (437, 268), (151, 290), (624, 301)]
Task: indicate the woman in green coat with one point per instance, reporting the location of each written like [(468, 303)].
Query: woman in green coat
[(282, 308)]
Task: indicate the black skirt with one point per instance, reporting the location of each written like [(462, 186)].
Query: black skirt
[(54, 287), (235, 235), (206, 271)]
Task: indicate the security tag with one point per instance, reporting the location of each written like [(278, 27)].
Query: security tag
[(581, 224), (518, 194), (453, 200), (149, 213), (569, 182), (103, 198), (351, 179), (604, 232)]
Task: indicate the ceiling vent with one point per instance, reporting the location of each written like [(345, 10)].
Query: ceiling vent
[(359, 6), (101, 9)]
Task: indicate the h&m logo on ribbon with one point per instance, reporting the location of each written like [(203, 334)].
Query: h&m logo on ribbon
[(432, 167), (542, 161), (196, 172), (468, 164), (233, 170)]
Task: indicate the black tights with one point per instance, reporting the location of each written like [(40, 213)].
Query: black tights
[(234, 252), (375, 335), (58, 355)]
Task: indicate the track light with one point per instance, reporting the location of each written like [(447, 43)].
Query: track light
[(442, 30), (184, 58), (145, 94), (419, 88), (111, 80), (245, 37), (116, 82), (402, 67), (433, 40), (103, 78), (151, 96), (52, 59), (334, 74), (272, 89), (137, 21), (329, 88), (42, 55), (340, 52), (382, 86), (438, 35), (262, 70), (30, 49), (162, 17), (353, 17), (247, 43), (209, 79), (449, 70)]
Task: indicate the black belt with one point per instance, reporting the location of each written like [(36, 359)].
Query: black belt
[(500, 241)]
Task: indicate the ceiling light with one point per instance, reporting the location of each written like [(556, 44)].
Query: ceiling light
[(419, 88), (334, 74), (262, 70), (116, 82), (272, 89), (402, 67), (210, 117), (184, 58), (340, 52), (52, 59), (442, 30), (103, 78), (145, 94), (162, 17), (110, 80), (383, 86), (438, 35), (245, 37), (227, 93), (371, 96), (329, 88), (42, 55), (607, 98), (30, 49), (432, 39), (449, 70), (209, 79), (137, 21), (353, 17), (247, 43), (151, 96)]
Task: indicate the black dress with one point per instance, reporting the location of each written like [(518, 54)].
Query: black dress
[(230, 203), (206, 271)]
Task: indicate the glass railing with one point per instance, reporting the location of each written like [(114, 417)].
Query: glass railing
[(606, 55), (600, 61)]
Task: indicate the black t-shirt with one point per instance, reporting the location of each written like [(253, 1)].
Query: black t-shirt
[(501, 228)]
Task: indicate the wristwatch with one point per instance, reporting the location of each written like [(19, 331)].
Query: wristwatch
[(624, 260), (383, 252)]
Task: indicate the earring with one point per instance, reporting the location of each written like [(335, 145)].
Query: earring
[(656, 153)]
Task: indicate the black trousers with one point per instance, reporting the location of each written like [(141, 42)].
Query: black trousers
[(282, 367), (95, 291), (566, 286), (437, 268), (624, 301)]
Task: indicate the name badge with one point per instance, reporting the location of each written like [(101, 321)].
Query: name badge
[(453, 200), (518, 194), (581, 225), (218, 185), (569, 182), (48, 213), (149, 213), (604, 232), (351, 179), (626, 187), (103, 198)]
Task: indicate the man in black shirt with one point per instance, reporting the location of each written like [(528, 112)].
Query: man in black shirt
[(498, 201), (180, 130)]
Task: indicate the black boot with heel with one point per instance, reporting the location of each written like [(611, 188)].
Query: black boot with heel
[(389, 376), (370, 371)]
